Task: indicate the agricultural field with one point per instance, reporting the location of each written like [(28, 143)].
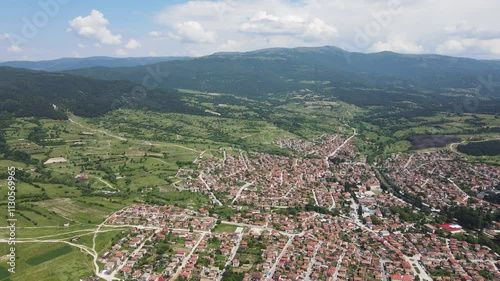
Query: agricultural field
[(47, 261), (227, 228), (388, 136)]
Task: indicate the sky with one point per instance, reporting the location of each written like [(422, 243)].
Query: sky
[(49, 29)]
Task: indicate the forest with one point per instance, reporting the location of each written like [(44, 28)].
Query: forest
[(27, 93), (485, 148)]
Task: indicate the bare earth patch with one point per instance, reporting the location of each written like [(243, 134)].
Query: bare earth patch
[(55, 160), (135, 153)]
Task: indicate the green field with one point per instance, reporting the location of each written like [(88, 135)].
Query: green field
[(49, 261), (36, 260), (4, 274), (227, 228)]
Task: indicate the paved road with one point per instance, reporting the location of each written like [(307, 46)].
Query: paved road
[(231, 256), (315, 198), (210, 190), (118, 268), (186, 259), (243, 159), (415, 261), (270, 273), (241, 190), (340, 147), (313, 261), (339, 262)]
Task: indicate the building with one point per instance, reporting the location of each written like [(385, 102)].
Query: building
[(401, 277), (453, 228)]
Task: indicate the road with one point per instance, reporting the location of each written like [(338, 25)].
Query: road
[(210, 190), (186, 259), (81, 247), (270, 273), (137, 141), (95, 257), (105, 182), (382, 265), (339, 262), (340, 147), (315, 198), (333, 202), (313, 261), (466, 196), (231, 256), (288, 192), (241, 190), (118, 268), (414, 261), (408, 162), (96, 130), (195, 161), (243, 159)]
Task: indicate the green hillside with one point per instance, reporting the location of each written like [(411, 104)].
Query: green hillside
[(43, 94), (280, 70)]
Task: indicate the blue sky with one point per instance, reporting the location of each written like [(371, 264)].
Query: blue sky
[(47, 29)]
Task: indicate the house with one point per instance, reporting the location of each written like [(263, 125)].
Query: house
[(126, 271), (430, 228), (453, 228), (82, 177), (109, 266), (400, 277), (256, 277), (235, 263)]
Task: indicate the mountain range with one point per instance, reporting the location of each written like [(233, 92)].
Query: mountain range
[(75, 63), (281, 70), (416, 82)]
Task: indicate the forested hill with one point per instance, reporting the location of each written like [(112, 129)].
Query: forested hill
[(280, 70), (34, 93), (74, 63)]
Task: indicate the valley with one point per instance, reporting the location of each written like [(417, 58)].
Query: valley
[(278, 164), (271, 170)]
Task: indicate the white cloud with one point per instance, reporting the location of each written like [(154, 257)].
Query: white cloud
[(95, 26), (230, 45), (463, 27), (470, 45), (81, 46), (201, 11), (152, 54), (133, 44), (14, 49), (155, 33), (492, 46), (465, 30), (450, 47), (4, 36), (192, 32), (121, 52), (397, 44), (266, 24), (318, 29), (257, 24)]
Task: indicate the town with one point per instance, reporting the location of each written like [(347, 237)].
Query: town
[(319, 213)]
